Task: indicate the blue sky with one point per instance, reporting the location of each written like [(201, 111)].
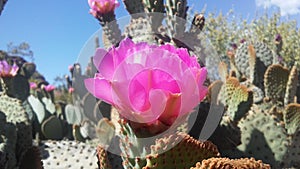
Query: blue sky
[(57, 30)]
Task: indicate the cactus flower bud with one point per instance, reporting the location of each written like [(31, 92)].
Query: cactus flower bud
[(32, 85), (49, 88), (102, 6), (278, 38), (7, 70)]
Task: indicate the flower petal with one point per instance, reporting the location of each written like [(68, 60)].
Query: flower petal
[(104, 63), (100, 88), (172, 109)]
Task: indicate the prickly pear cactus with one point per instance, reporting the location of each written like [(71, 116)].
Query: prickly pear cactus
[(8, 141), (275, 80), (254, 66), (16, 115), (68, 154), (223, 163), (291, 117), (185, 154), (74, 114), (236, 97), (263, 137), (52, 128), (291, 88)]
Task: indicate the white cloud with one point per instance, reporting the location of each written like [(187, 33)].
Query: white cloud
[(287, 7)]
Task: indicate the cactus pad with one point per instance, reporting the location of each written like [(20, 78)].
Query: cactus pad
[(262, 137), (292, 118), (237, 98), (52, 128), (8, 141), (254, 62), (134, 6), (105, 131), (224, 163), (293, 156), (275, 81), (183, 155), (140, 30), (37, 107), (291, 88), (74, 114), (49, 105), (16, 115), (68, 154)]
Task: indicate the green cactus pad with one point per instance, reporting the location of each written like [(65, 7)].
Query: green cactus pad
[(291, 88), (258, 94), (49, 105), (13, 109), (241, 59), (275, 80), (8, 141), (89, 102), (52, 128), (237, 98), (263, 137), (111, 31), (87, 129), (37, 107), (105, 131), (74, 114), (293, 156), (140, 30), (253, 64), (134, 6), (76, 133), (292, 118), (185, 154), (68, 155), (17, 87), (224, 163), (227, 135), (16, 115), (28, 69)]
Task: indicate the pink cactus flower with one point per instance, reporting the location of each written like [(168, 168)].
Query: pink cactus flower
[(70, 67), (102, 6), (71, 90), (32, 85), (148, 83), (7, 70), (49, 88)]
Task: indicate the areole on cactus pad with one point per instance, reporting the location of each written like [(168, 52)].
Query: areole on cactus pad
[(148, 83)]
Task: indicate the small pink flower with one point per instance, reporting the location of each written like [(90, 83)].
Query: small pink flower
[(70, 67), (8, 70), (71, 90), (102, 6), (148, 83), (49, 88), (32, 85)]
